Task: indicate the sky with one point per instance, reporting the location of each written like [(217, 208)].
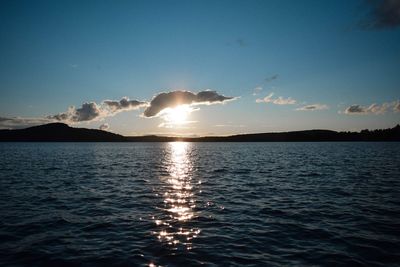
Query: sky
[(200, 67)]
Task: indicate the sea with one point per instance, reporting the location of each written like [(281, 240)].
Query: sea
[(200, 204)]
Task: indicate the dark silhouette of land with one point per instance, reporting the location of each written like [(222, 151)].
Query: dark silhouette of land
[(60, 132)]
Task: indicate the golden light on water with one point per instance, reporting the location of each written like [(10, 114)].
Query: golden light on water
[(179, 198)]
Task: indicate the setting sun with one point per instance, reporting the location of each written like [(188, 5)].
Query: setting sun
[(177, 115)]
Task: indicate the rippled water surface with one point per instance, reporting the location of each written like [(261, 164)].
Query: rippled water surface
[(183, 204)]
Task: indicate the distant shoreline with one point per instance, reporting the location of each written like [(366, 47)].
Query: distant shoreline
[(60, 132)]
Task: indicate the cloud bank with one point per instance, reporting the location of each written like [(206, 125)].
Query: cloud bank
[(87, 112), (382, 14), (175, 98), (277, 101), (123, 105), (313, 107), (91, 111), (373, 108)]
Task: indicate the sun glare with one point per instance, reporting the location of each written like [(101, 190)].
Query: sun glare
[(177, 115)]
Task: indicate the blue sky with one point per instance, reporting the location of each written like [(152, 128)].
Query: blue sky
[(56, 54)]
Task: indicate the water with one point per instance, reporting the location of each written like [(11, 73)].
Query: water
[(183, 204)]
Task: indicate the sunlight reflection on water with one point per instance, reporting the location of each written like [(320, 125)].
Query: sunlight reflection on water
[(179, 198), (256, 204)]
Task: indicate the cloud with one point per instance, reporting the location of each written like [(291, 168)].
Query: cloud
[(87, 112), (104, 127), (257, 90), (379, 109), (18, 122), (313, 107), (123, 104), (91, 111), (373, 108), (277, 101), (382, 14), (284, 101), (273, 77), (355, 109), (396, 107), (175, 98)]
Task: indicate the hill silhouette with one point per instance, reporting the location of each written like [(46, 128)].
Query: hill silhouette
[(60, 132)]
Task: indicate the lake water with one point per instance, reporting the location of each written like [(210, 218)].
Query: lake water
[(184, 204)]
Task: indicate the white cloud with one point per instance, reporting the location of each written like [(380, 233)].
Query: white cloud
[(277, 101), (257, 90), (373, 108), (396, 107)]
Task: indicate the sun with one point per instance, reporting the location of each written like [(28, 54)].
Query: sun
[(177, 115)]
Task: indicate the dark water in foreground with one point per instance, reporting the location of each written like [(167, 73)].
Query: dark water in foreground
[(181, 204)]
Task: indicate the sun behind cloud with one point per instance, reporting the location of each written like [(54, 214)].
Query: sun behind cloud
[(177, 115)]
